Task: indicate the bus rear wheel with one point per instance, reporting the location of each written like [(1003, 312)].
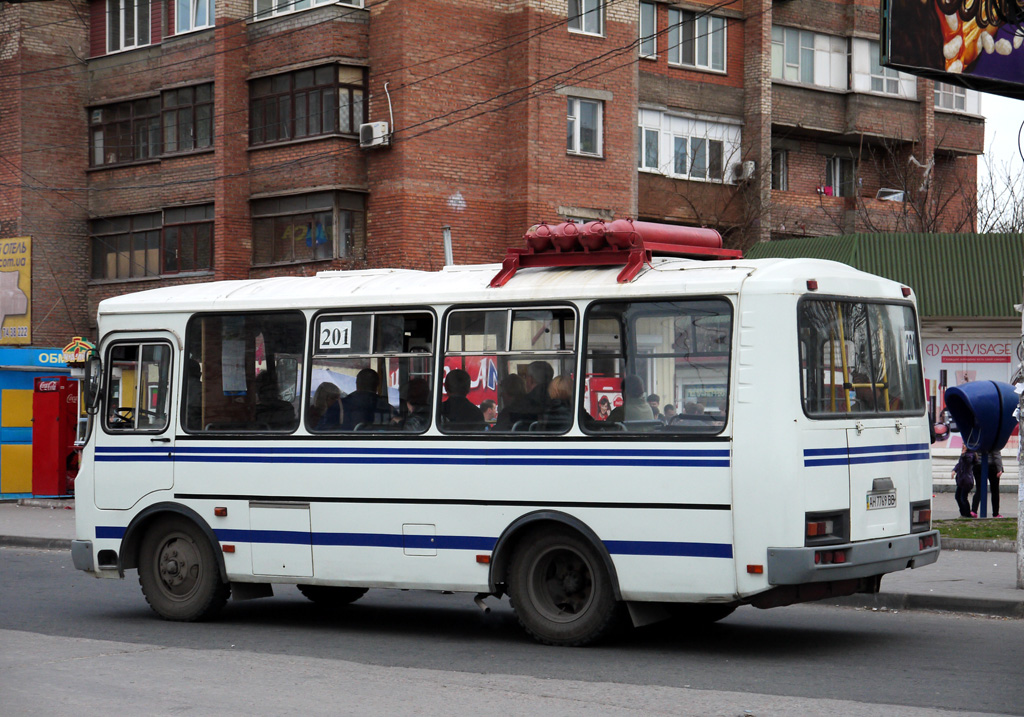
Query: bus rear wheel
[(560, 589), (178, 572), (331, 594)]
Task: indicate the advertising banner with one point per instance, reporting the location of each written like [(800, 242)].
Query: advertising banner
[(971, 43), (15, 291)]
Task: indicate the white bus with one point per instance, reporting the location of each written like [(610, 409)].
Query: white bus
[(492, 435)]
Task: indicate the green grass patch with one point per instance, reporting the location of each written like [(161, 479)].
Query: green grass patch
[(978, 529)]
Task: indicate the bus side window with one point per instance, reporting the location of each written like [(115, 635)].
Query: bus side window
[(242, 371), (371, 372), (138, 383)]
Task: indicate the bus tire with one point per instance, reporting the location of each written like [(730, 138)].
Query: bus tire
[(178, 572), (329, 595), (560, 589)]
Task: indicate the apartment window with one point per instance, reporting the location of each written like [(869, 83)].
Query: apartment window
[(839, 176), (586, 16), (307, 103), (126, 247), (269, 8), (648, 29), (125, 132), (127, 24), (696, 40), (648, 153), (706, 158), (187, 239), (686, 148), (307, 227), (780, 169), (188, 118), (883, 79), (193, 15), (808, 57), (583, 127), (950, 97)]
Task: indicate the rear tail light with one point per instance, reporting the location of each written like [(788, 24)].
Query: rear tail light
[(920, 516), (831, 557), (926, 542), (826, 528)]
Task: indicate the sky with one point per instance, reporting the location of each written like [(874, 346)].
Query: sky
[(1003, 118)]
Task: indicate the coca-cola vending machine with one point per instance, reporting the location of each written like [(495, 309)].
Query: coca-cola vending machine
[(54, 424)]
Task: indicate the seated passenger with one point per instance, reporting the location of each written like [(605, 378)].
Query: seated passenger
[(272, 411), (558, 416), (364, 406), (458, 409), (634, 407), (417, 403), (325, 412), (513, 389)]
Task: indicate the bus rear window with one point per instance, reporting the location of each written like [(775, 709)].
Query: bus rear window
[(859, 358)]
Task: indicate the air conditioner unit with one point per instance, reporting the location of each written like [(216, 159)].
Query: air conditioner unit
[(374, 134), (742, 171)]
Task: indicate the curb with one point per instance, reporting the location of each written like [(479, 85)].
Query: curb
[(21, 541), (939, 603), (987, 546)]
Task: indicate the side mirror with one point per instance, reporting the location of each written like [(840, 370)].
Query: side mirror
[(93, 378), (983, 410)]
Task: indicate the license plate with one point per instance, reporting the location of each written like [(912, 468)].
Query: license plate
[(886, 499)]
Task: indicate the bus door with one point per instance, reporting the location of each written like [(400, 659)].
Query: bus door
[(880, 464), (135, 437)]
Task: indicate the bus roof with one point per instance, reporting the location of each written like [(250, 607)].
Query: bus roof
[(470, 284)]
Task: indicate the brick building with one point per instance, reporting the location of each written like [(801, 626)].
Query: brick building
[(152, 142)]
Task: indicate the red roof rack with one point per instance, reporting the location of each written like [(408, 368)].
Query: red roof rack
[(622, 241)]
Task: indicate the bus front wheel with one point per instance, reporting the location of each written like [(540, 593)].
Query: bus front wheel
[(560, 589), (178, 572)]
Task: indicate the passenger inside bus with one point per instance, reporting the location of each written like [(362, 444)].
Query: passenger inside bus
[(417, 406), (634, 407), (558, 416), (364, 407), (534, 404), (513, 391), (326, 413), (458, 411), (271, 410)]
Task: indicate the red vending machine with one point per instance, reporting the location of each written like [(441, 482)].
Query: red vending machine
[(54, 424)]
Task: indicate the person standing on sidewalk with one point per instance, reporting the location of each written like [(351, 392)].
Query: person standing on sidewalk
[(995, 470), (963, 475)]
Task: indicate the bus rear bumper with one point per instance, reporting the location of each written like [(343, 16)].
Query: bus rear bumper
[(799, 566)]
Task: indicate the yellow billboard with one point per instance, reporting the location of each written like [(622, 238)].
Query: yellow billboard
[(16, 291)]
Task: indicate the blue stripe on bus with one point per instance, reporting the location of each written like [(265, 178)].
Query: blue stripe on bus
[(702, 458), (441, 542), (814, 457)]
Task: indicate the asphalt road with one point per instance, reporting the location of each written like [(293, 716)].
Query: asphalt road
[(72, 644)]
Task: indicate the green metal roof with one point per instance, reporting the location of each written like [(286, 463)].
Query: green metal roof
[(953, 275)]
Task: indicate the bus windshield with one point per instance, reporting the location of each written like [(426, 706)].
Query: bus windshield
[(859, 358)]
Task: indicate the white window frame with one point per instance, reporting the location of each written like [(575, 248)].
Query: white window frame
[(780, 170), (679, 140), (574, 126), (201, 15), (950, 97), (586, 17), (263, 9), (706, 36), (117, 28), (868, 75), (809, 58), (648, 46)]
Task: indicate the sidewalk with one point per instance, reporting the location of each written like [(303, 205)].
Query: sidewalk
[(971, 576)]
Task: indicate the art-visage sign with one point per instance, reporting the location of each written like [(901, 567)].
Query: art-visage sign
[(967, 360), (16, 291)]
